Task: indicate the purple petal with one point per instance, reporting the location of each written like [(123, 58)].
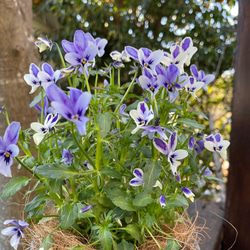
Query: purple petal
[(186, 43), (87, 208), (8, 231), (146, 52), (172, 72), (136, 182), (81, 104), (176, 51), (173, 141), (5, 167), (68, 46), (160, 145), (48, 69), (34, 69), (122, 108), (13, 150), (191, 143), (73, 58), (81, 124), (80, 41), (12, 133), (218, 138), (194, 71), (132, 52), (138, 173)]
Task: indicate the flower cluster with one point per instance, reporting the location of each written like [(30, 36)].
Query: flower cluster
[(113, 162)]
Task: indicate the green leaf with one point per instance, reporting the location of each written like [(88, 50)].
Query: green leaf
[(110, 172), (200, 113), (47, 243), (68, 215), (105, 238), (134, 231), (172, 245), (124, 245), (190, 123), (104, 121), (151, 174), (37, 201), (56, 171), (142, 199), (150, 220), (179, 201), (124, 203), (13, 186), (211, 177)]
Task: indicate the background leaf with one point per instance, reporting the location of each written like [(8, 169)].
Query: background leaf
[(14, 185), (68, 215)]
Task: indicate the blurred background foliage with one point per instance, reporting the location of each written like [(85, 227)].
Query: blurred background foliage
[(156, 24)]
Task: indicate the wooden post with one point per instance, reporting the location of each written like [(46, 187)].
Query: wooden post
[(238, 186)]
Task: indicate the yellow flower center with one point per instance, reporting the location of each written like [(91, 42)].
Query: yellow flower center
[(84, 61), (75, 117), (152, 88), (7, 155)]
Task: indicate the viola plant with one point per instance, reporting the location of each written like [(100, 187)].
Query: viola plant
[(114, 164)]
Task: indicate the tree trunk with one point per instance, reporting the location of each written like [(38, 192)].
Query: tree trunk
[(238, 187), (17, 51)]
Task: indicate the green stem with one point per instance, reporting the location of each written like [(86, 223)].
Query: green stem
[(87, 82), (27, 168), (42, 106), (80, 146), (156, 242), (138, 148), (125, 95)]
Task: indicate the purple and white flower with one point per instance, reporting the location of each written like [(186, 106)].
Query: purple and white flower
[(188, 193), (201, 77), (72, 108), (44, 129), (215, 143), (138, 180), (32, 78), (193, 86), (168, 149), (43, 44), (142, 116), (172, 80), (149, 83), (48, 76), (180, 54), (16, 231), (83, 50), (120, 56), (145, 57), (8, 148)]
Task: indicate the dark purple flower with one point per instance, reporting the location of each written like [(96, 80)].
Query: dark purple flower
[(71, 108), (16, 231), (87, 208), (67, 157), (191, 143), (193, 86), (162, 201), (8, 148)]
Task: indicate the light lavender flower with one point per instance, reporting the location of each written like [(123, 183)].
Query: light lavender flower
[(67, 157), (16, 231), (8, 148)]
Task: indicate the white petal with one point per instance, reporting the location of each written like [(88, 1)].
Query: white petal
[(210, 146), (38, 137), (180, 154), (36, 126)]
